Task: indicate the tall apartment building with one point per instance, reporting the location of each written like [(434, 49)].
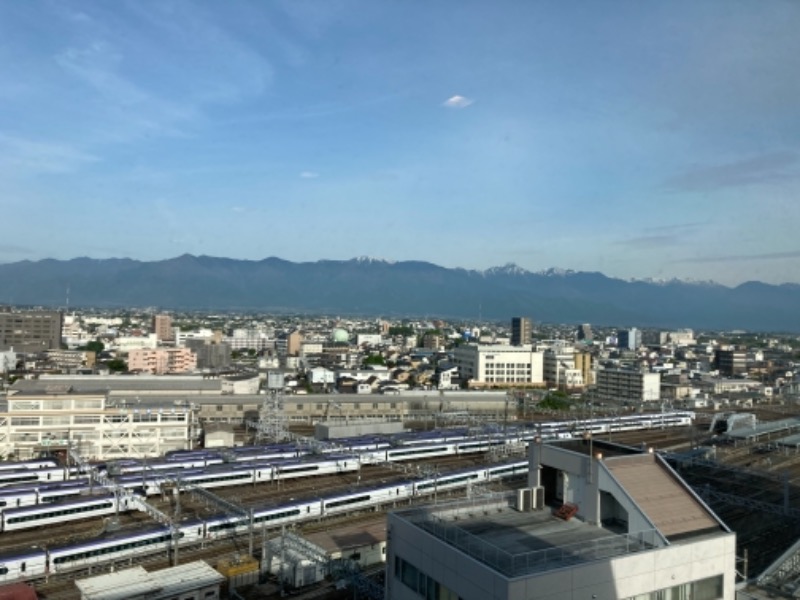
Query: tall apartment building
[(731, 362), (499, 366), (162, 361), (584, 333), (629, 339), (210, 354), (521, 331), (560, 370), (585, 362), (623, 385), (162, 327), (30, 331), (288, 344)]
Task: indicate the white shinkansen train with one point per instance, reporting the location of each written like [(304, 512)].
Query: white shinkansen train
[(36, 563), (41, 482)]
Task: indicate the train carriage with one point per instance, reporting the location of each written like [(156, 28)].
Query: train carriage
[(28, 517), (87, 554), (29, 564), (22, 475)]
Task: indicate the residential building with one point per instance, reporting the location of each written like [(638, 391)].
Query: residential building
[(128, 343), (730, 363), (627, 386), (433, 341), (30, 331), (629, 339), (681, 337), (585, 362), (584, 333), (162, 327), (560, 370), (249, 339), (521, 331), (71, 359), (288, 344), (501, 366), (211, 355), (608, 526), (162, 361)]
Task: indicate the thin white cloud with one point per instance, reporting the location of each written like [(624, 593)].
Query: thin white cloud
[(309, 174), (37, 156), (238, 209), (457, 102)]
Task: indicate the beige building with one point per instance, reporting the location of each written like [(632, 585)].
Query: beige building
[(30, 331), (161, 361), (162, 327)]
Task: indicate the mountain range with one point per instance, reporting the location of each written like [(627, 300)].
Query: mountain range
[(366, 286)]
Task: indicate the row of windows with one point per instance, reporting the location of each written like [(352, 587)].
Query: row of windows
[(710, 588), (433, 484), (57, 513), (111, 549), (417, 451), (261, 519), (420, 582), (347, 501)]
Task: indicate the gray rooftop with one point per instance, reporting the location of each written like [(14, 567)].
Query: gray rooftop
[(84, 384), (766, 429), (519, 543)]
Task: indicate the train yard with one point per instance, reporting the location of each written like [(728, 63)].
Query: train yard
[(734, 479)]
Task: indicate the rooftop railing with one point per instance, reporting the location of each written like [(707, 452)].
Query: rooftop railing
[(446, 528)]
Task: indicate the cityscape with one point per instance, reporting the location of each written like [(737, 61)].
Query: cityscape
[(109, 414), (346, 299)]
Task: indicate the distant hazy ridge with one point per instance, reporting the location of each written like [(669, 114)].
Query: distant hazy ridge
[(375, 287)]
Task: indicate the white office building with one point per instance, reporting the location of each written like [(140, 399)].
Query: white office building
[(499, 366), (623, 527), (627, 386)]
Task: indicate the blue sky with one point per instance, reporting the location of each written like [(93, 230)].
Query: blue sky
[(640, 139)]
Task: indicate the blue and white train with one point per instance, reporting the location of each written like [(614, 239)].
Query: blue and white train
[(36, 563)]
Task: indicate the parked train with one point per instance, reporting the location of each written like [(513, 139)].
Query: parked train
[(35, 563), (254, 464)]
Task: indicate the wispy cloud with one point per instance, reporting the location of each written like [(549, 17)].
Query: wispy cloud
[(661, 236), (309, 175), (760, 169), (42, 157), (135, 111), (14, 249), (650, 241), (457, 102), (740, 257)]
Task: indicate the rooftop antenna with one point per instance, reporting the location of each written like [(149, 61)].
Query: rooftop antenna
[(66, 309)]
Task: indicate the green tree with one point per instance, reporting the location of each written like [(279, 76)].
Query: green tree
[(95, 346), (117, 365), (375, 359), (401, 330)]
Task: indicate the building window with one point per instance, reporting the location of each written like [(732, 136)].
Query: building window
[(219, 407)]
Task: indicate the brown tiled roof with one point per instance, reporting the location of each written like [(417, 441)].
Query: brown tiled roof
[(666, 502)]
